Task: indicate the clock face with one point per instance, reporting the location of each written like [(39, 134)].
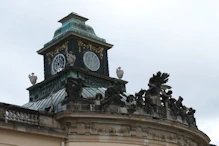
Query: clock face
[(58, 63), (91, 61)]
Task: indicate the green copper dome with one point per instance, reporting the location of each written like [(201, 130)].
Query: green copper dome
[(75, 23)]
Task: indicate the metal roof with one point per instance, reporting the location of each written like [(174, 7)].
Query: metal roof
[(56, 98)]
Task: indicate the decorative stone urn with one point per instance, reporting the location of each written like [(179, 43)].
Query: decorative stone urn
[(33, 79), (119, 72)]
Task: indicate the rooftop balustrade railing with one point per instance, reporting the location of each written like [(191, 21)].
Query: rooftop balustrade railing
[(12, 113)]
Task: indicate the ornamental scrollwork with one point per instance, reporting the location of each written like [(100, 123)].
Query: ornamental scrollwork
[(56, 51), (165, 136), (185, 141), (110, 130), (98, 50)]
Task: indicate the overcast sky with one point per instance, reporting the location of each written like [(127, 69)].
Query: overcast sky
[(180, 37)]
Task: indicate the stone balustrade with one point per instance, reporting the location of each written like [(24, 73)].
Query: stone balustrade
[(159, 112), (12, 113)]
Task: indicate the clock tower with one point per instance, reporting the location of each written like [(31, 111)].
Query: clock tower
[(75, 51), (75, 36)]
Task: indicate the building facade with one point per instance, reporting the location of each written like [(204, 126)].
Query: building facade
[(79, 104)]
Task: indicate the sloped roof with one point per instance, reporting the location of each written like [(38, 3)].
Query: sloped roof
[(56, 98)]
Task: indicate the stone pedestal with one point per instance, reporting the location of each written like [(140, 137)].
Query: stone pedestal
[(112, 109), (179, 119), (168, 114), (123, 110)]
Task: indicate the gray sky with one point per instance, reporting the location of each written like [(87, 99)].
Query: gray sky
[(179, 37)]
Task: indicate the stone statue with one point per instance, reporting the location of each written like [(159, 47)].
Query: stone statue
[(33, 79), (113, 95), (165, 95), (156, 100), (119, 72), (74, 89), (171, 105), (149, 106), (139, 96), (179, 104), (184, 112), (131, 104), (98, 98), (191, 118), (71, 58), (156, 85), (179, 108), (130, 99), (97, 102)]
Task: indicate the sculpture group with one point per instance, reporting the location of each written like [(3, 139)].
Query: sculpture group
[(156, 101)]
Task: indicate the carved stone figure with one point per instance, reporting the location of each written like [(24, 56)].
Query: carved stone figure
[(119, 72), (131, 104), (156, 85), (179, 105), (71, 58), (113, 95), (156, 100), (130, 99), (171, 105), (177, 108), (165, 95), (98, 98), (139, 97), (183, 112), (33, 79), (156, 82), (74, 89), (97, 102), (191, 118), (148, 105)]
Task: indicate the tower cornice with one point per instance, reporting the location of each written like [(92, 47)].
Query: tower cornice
[(46, 48)]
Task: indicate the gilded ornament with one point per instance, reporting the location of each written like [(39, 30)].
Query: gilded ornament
[(98, 50), (56, 51)]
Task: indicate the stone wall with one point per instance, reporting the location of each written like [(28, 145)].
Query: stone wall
[(20, 127), (22, 138)]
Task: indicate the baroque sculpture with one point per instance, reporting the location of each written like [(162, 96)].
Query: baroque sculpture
[(33, 78), (71, 58), (73, 89), (156, 101), (113, 95)]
